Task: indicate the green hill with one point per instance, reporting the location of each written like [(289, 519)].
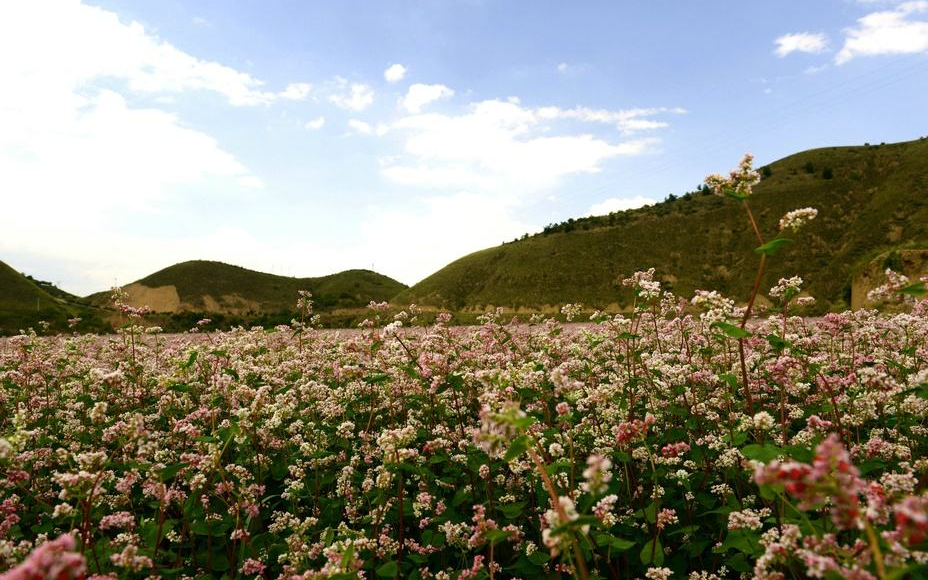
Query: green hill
[(871, 199), (23, 303), (214, 287)]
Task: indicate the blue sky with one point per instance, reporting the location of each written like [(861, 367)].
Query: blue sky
[(303, 138)]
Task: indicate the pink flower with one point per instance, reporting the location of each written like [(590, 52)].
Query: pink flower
[(675, 449), (628, 430), (912, 519), (831, 475), (252, 567), (54, 560)]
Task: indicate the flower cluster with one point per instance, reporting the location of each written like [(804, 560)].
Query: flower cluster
[(740, 182), (623, 446), (795, 219)]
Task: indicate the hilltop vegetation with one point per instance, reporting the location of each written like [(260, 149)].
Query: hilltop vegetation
[(24, 301), (182, 294), (21, 300), (871, 199), (214, 286)]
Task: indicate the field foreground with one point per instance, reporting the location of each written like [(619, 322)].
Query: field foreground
[(629, 449)]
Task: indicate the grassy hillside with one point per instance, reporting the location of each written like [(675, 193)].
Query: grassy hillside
[(24, 302), (871, 199), (213, 286)]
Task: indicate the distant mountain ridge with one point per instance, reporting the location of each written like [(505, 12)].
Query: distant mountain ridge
[(871, 199), (180, 293), (873, 212), (207, 286)]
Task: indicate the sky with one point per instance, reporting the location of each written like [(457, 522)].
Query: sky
[(307, 137)]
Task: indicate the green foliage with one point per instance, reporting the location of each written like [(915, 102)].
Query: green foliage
[(196, 280), (771, 247), (893, 261), (731, 330), (704, 241), (24, 302), (245, 298)]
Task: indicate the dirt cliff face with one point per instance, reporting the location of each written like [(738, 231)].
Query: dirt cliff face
[(912, 263), (166, 299)]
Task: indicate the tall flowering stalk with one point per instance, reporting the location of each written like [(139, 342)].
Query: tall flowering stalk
[(505, 434), (739, 186)]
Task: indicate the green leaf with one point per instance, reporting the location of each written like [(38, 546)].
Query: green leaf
[(771, 247), (742, 541), (739, 562), (513, 510), (346, 557), (523, 422), (171, 470), (653, 553), (518, 446), (916, 289), (650, 512), (921, 391), (767, 492), (376, 378), (732, 193), (617, 544), (731, 330), (776, 342), (539, 557), (220, 562), (763, 453), (191, 359), (496, 536), (388, 570)]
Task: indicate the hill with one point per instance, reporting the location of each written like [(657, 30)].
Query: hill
[(872, 199), (24, 302), (214, 287)]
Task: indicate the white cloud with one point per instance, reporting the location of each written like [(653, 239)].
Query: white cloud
[(77, 152), (562, 67), (814, 70), (394, 73), (352, 97), (64, 44), (420, 95), (296, 91), (316, 123), (502, 146), (808, 42), (453, 226), (887, 32), (90, 170), (626, 120), (612, 204), (360, 127), (100, 259)]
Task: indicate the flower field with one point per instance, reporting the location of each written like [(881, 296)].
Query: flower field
[(618, 450), (683, 439)]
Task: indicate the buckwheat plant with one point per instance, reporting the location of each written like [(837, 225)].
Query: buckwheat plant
[(618, 448), (739, 186)]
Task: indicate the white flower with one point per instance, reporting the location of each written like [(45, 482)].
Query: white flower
[(763, 421), (797, 218)]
